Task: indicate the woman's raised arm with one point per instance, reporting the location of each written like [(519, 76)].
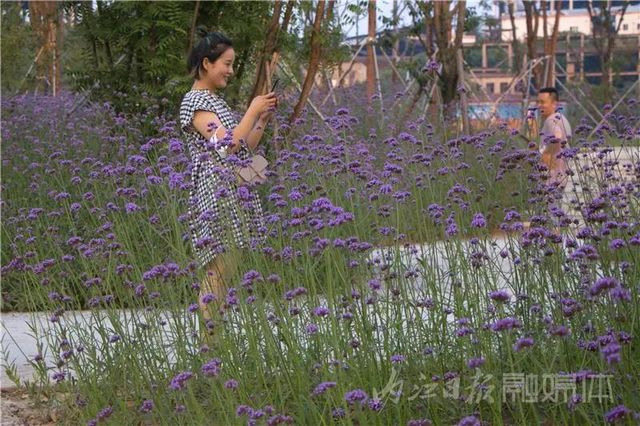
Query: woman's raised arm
[(260, 104)]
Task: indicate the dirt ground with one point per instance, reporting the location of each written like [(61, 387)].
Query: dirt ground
[(18, 409)]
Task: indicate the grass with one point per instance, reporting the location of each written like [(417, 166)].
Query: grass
[(371, 314)]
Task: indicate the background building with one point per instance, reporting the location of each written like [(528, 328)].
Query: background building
[(574, 18)]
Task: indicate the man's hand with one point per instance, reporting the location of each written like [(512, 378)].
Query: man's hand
[(547, 159)]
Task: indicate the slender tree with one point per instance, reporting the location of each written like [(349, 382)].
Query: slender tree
[(550, 46), (396, 40), (532, 17), (371, 72), (45, 20), (515, 43), (605, 31), (266, 55), (314, 61), (194, 20), (447, 48)]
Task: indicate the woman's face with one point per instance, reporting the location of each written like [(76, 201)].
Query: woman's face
[(217, 73)]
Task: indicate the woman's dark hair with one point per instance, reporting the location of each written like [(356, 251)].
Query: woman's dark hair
[(211, 45)]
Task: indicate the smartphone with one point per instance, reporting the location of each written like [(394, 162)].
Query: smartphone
[(275, 84)]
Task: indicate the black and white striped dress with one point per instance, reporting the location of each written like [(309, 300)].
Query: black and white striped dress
[(222, 214)]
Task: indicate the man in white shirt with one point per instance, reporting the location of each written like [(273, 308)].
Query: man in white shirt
[(555, 136)]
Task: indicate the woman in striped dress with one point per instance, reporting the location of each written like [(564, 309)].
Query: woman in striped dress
[(224, 216)]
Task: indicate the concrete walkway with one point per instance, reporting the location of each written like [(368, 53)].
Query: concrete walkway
[(19, 346)]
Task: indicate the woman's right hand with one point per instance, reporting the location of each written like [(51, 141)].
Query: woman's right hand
[(263, 103)]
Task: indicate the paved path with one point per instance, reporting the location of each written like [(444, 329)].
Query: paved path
[(20, 346), (17, 329)]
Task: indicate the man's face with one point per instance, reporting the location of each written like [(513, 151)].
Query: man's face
[(546, 104)]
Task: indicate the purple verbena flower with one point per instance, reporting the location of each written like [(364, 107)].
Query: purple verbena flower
[(620, 293), (356, 395), (469, 421), (104, 413), (508, 323), (601, 284), (397, 358), (179, 381), (231, 384), (617, 414), (611, 353), (478, 221), (475, 362), (500, 295), (212, 367), (147, 406), (321, 311), (375, 404), (322, 388)]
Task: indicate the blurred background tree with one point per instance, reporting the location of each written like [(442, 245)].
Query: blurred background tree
[(135, 50), (17, 47), (134, 53)]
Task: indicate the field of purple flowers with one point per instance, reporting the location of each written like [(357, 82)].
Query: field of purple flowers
[(383, 295)]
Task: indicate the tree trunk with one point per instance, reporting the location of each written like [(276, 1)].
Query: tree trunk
[(44, 22), (194, 21), (394, 50), (462, 10), (107, 50), (532, 18), (94, 51), (130, 54), (242, 64), (606, 31), (552, 46), (59, 43), (260, 85), (314, 61), (448, 81), (371, 72), (545, 40), (515, 43), (464, 109), (330, 6), (457, 49), (287, 15), (428, 13)]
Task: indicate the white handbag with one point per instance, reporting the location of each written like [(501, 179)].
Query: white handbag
[(254, 173)]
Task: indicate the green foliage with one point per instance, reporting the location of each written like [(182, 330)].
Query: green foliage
[(138, 49), (18, 48), (472, 20), (473, 56), (128, 52), (132, 47), (333, 52)]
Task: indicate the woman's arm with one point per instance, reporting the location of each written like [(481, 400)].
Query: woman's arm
[(201, 120), (256, 134), (259, 105)]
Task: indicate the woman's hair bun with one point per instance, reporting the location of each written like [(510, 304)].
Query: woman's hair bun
[(211, 45), (201, 31)]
